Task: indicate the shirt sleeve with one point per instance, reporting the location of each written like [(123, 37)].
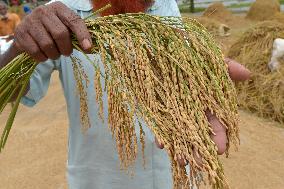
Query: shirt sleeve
[(165, 8), (39, 82)]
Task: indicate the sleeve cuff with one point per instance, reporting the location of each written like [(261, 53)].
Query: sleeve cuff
[(32, 96)]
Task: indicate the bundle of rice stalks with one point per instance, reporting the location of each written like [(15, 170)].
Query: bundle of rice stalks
[(218, 11), (163, 70), (215, 27), (264, 93), (263, 10)]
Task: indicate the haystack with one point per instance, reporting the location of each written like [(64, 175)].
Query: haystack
[(263, 10), (218, 11), (264, 93), (215, 27), (279, 17)]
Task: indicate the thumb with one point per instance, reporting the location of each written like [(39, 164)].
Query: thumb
[(237, 71), (220, 134)]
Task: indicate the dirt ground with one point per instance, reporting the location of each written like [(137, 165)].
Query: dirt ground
[(36, 152)]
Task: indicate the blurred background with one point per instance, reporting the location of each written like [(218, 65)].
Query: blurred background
[(198, 6), (249, 31)]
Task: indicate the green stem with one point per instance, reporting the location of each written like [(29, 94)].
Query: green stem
[(7, 84), (11, 118), (12, 115), (5, 100)]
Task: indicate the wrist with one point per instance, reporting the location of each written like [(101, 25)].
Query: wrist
[(9, 55)]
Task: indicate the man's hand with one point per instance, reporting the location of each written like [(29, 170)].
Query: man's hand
[(237, 72), (46, 32)]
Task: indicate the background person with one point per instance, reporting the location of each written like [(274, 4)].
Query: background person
[(8, 21)]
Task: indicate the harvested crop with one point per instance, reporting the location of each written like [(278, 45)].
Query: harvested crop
[(164, 71)]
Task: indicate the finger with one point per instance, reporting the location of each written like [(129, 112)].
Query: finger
[(44, 41), (197, 157), (237, 71), (182, 162), (159, 144), (24, 42), (198, 160), (75, 24), (220, 135), (59, 32)]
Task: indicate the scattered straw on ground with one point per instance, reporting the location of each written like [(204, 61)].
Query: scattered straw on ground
[(264, 93), (263, 10)]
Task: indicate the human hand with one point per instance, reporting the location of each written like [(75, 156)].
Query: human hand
[(46, 32), (237, 73)]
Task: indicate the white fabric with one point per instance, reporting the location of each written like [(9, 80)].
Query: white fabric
[(4, 45), (277, 54)]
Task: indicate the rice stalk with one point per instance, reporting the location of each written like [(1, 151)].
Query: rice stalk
[(165, 71)]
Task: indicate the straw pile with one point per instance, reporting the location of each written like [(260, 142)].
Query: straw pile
[(263, 10), (218, 11), (167, 75), (214, 27), (264, 93), (279, 17)]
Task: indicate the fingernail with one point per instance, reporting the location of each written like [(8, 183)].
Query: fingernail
[(86, 44), (246, 72), (242, 67)]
